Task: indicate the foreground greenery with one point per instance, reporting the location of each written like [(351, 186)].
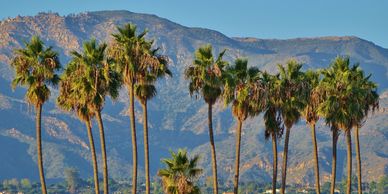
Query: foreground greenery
[(74, 184)]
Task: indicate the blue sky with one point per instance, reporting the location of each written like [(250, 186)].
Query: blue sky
[(253, 18)]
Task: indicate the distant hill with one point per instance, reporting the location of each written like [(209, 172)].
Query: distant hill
[(176, 120)]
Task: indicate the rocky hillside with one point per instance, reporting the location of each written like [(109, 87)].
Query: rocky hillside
[(176, 120)]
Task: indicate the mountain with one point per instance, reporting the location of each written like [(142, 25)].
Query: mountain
[(177, 120)]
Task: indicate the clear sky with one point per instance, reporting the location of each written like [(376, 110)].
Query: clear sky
[(367, 19)]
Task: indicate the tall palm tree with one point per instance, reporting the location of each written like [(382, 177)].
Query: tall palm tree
[(75, 94), (180, 173), (35, 67), (293, 95), (129, 53), (103, 80), (145, 90), (338, 106), (205, 75), (272, 119), (311, 116), (239, 80), (367, 100)]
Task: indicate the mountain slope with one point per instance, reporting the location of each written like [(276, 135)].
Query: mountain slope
[(176, 120)]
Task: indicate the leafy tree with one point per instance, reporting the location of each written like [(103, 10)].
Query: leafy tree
[(144, 91), (25, 184), (180, 173), (129, 51), (72, 179), (205, 75), (372, 187), (12, 185), (292, 92), (35, 67), (239, 82), (325, 187), (382, 185)]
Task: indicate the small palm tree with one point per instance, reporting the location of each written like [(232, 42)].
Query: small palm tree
[(205, 75), (239, 81), (103, 80), (129, 51), (180, 173), (35, 67), (75, 94), (292, 94), (311, 116), (144, 91)]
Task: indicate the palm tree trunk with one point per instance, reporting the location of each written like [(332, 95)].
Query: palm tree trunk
[(39, 147), (134, 143), (316, 161), (358, 161), (285, 155), (237, 164), (146, 149), (103, 150), (94, 158), (213, 149), (334, 160), (349, 146), (275, 162)]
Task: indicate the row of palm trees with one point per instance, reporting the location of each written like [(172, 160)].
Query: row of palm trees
[(340, 94), (90, 76)]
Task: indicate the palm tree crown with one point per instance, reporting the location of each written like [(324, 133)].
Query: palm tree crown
[(131, 53), (292, 89), (87, 79), (240, 82), (205, 74), (35, 67), (180, 173)]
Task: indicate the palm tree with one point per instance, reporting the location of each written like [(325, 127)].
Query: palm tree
[(75, 94), (367, 100), (129, 53), (311, 116), (272, 120), (144, 91), (338, 106), (103, 80), (205, 75), (292, 94), (35, 67), (180, 173), (239, 80)]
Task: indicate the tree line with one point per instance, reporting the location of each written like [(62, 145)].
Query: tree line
[(341, 95), (74, 184)]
